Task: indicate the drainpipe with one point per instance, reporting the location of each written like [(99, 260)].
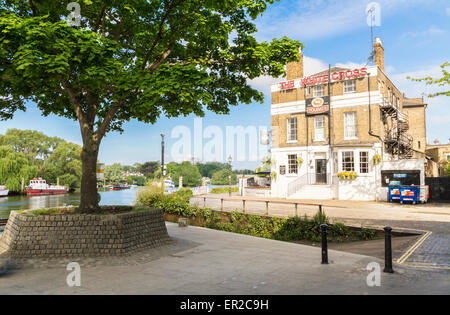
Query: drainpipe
[(377, 136)]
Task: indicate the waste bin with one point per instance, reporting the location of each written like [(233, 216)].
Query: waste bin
[(410, 194), (394, 193), (424, 194)]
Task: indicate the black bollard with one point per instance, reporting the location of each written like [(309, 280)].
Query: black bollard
[(387, 250), (323, 227)]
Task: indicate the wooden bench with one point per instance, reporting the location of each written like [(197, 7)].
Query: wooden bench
[(3, 221)]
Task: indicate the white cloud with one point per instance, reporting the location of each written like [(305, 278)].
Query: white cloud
[(430, 32), (323, 19)]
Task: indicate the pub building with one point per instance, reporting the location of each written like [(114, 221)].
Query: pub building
[(344, 133)]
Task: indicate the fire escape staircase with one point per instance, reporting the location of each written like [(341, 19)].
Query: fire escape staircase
[(397, 141)]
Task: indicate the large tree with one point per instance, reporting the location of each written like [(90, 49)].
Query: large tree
[(132, 59)]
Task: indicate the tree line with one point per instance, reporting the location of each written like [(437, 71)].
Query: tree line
[(25, 154)]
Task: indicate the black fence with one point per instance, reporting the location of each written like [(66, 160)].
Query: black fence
[(439, 188)]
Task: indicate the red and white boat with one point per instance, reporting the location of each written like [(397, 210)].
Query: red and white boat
[(39, 187)]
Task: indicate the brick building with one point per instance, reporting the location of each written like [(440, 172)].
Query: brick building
[(344, 133), (439, 154)]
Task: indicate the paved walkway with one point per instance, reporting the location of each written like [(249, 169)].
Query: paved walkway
[(433, 252), (204, 261)]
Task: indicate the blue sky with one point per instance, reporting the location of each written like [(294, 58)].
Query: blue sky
[(415, 36)]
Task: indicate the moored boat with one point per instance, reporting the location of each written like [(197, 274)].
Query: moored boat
[(3, 191), (39, 187)]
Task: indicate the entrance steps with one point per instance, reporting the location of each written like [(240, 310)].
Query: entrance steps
[(323, 192)]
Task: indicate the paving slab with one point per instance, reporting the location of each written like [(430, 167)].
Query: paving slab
[(204, 261)]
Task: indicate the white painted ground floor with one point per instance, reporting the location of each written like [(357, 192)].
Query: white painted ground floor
[(341, 172)]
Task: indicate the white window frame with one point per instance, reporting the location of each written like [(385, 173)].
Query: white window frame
[(292, 162), (348, 135), (352, 155), (291, 137), (319, 128), (366, 164), (316, 90), (346, 86)]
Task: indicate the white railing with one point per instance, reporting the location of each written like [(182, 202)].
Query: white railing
[(296, 185)]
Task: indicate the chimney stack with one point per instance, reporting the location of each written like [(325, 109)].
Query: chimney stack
[(294, 70), (379, 53)]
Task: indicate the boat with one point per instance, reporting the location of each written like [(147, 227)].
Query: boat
[(3, 191), (169, 185), (39, 187), (119, 187)]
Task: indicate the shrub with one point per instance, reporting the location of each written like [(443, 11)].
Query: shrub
[(223, 190), (184, 192)]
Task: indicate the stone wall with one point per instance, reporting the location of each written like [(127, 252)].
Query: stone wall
[(82, 235)]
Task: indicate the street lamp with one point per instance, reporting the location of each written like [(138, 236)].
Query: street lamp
[(162, 162), (229, 176)]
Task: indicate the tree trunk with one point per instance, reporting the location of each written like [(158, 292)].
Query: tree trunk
[(88, 201)]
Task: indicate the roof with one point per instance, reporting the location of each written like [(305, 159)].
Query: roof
[(411, 102), (333, 69)]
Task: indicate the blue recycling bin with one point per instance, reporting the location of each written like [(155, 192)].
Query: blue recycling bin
[(394, 193), (410, 194)]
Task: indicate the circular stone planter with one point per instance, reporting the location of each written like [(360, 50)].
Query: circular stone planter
[(82, 235)]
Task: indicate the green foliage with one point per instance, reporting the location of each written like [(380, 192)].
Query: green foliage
[(292, 229), (190, 173), (133, 60), (64, 163), (209, 168), (13, 167), (113, 173), (221, 177), (223, 190), (148, 168), (184, 193), (138, 180), (442, 82)]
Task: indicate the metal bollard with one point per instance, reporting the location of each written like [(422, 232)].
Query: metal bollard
[(320, 209), (267, 208), (323, 227), (388, 250)]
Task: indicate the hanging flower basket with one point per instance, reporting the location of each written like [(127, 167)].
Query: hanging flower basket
[(299, 162), (376, 159), (273, 175)]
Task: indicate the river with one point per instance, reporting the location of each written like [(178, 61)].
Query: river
[(109, 197), (126, 197)]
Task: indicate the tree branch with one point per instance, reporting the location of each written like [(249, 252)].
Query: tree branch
[(108, 118)]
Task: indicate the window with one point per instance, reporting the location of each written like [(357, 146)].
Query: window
[(318, 91), (348, 161), (418, 143), (364, 162), (349, 86), (350, 125), (306, 90), (292, 129), (292, 163), (319, 128), (448, 156)]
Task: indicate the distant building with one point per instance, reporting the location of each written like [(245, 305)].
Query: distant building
[(345, 133), (440, 154)]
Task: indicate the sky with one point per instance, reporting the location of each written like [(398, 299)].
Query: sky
[(416, 40)]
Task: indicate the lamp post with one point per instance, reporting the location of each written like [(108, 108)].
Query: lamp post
[(230, 159), (162, 162)]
